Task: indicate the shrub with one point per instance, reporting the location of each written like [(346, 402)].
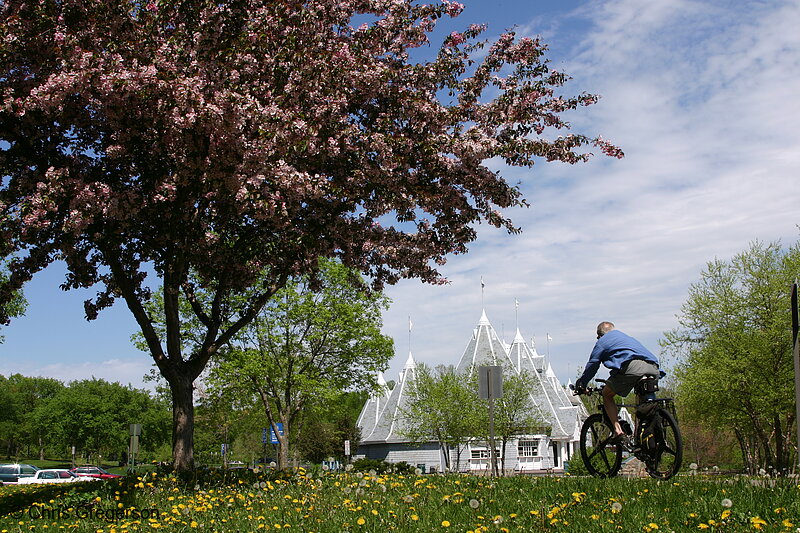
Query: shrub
[(382, 467), (576, 467)]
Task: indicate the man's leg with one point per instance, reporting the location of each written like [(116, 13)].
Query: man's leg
[(611, 409)]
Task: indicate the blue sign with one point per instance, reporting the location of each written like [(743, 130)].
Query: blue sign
[(264, 436), (224, 449), (272, 437)]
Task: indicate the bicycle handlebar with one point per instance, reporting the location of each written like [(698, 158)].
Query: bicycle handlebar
[(588, 391)]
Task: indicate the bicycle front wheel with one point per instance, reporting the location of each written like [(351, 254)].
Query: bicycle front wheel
[(665, 460), (601, 457)]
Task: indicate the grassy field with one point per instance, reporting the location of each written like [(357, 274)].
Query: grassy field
[(354, 502)]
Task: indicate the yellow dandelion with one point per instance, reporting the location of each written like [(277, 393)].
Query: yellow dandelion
[(361, 521), (725, 514), (414, 517), (445, 523)]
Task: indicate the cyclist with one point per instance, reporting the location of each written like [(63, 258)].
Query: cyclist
[(627, 361)]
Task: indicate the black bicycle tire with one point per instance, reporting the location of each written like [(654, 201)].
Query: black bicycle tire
[(652, 466), (614, 467)]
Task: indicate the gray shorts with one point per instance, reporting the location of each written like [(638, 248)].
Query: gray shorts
[(622, 382)]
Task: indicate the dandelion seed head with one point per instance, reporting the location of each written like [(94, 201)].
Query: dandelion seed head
[(727, 503), (474, 503)]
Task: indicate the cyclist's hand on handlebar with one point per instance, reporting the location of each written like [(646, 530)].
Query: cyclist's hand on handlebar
[(578, 388)]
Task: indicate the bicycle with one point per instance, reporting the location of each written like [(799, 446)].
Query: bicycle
[(656, 439)]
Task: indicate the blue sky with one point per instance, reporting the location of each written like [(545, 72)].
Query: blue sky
[(703, 98)]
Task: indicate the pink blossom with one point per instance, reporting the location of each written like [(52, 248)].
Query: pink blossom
[(456, 38)]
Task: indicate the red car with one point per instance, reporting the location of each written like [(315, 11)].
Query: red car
[(93, 471)]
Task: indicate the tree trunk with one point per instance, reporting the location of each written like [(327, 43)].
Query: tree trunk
[(283, 449), (182, 422)]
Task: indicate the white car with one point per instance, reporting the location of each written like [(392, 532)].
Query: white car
[(53, 475)]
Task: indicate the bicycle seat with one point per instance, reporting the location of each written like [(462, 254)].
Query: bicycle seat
[(646, 385)]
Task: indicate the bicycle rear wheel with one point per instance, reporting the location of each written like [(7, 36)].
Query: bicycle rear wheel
[(665, 460), (601, 457)]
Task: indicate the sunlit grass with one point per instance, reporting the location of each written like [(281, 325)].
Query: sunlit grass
[(326, 502)]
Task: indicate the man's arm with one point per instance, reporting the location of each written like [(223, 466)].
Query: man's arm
[(591, 366)]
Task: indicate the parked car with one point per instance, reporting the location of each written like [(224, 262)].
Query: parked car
[(93, 471), (12, 473), (54, 475)]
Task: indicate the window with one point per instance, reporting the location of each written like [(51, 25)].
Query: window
[(482, 453), (528, 448), (479, 454)]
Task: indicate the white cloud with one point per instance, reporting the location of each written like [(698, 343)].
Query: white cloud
[(124, 371)]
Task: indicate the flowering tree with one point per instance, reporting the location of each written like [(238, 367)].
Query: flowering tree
[(243, 140)]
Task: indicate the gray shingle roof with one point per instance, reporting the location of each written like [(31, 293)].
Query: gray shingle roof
[(380, 419)]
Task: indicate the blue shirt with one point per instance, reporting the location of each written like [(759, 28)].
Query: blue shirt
[(614, 349)]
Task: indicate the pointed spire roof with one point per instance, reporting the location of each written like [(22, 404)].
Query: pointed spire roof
[(381, 420), (484, 348), (373, 409)]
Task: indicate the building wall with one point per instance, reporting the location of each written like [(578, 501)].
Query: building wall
[(427, 453)]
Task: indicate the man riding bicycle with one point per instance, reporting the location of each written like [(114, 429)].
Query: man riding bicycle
[(627, 360)]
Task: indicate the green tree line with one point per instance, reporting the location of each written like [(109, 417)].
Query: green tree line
[(44, 417)]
